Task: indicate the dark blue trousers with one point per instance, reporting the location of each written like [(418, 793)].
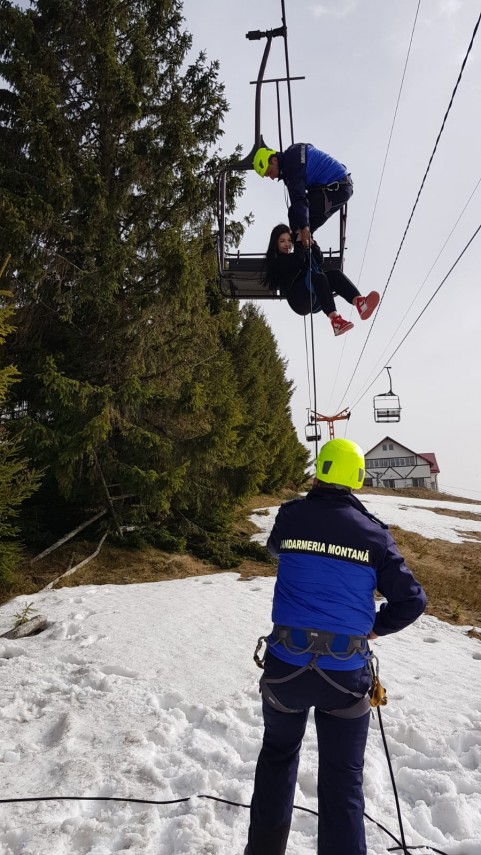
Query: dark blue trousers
[(341, 745)]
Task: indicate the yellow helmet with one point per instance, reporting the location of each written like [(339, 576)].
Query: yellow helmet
[(261, 160), (341, 461)]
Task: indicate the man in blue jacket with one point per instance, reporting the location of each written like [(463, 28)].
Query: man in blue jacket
[(318, 185), (333, 555)]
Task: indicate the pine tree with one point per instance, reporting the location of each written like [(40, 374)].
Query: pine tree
[(274, 455), (17, 482), (135, 376), (108, 205)]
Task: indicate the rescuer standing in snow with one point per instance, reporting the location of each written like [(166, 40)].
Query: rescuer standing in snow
[(333, 555)]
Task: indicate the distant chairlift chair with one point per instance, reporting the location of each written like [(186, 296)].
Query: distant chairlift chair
[(313, 429), (387, 406)]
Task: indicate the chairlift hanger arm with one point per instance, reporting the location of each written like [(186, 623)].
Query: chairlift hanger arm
[(246, 162), (388, 369), (256, 35), (343, 414)]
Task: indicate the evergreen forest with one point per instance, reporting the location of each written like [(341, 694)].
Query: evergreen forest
[(128, 384)]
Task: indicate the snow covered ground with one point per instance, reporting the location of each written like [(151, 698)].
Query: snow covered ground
[(149, 691), (418, 515)]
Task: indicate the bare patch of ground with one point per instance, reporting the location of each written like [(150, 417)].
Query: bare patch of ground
[(450, 572), (418, 493), (446, 512), (473, 633)]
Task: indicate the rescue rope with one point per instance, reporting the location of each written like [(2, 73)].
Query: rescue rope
[(202, 796), (313, 353)]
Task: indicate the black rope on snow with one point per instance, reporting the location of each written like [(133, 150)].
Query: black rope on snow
[(187, 799), (463, 65)]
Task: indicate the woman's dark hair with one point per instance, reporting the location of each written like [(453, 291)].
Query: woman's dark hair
[(272, 251)]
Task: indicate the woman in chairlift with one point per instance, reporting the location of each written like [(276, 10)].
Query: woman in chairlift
[(287, 270)]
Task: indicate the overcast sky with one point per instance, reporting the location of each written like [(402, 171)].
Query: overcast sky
[(352, 53)]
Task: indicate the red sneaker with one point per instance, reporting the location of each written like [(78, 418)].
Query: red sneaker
[(366, 305), (340, 326)]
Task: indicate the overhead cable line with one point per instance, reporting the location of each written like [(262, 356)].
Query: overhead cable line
[(341, 356), (381, 358), (389, 141), (421, 313), (288, 75), (463, 65), (465, 489)]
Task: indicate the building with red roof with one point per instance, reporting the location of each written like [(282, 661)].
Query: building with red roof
[(390, 464)]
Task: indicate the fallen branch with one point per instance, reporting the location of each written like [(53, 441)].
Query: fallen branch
[(107, 494), (30, 627), (77, 566), (68, 536), (4, 265)]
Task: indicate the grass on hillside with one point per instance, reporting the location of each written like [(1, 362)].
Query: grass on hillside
[(450, 572)]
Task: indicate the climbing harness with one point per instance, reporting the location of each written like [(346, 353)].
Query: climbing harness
[(315, 641), (334, 186), (319, 643)]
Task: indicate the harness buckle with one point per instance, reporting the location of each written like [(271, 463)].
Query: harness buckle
[(318, 642)]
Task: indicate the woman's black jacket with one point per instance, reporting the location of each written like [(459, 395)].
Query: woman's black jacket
[(287, 268)]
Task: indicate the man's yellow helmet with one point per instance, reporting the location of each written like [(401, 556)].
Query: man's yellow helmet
[(261, 160), (341, 461)]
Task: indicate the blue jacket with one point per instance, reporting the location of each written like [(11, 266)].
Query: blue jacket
[(332, 556), (302, 166)]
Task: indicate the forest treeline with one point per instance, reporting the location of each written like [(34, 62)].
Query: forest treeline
[(127, 382)]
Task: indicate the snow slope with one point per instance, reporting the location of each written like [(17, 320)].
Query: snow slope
[(149, 691)]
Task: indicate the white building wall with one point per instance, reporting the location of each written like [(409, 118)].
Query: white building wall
[(397, 450), (387, 469)]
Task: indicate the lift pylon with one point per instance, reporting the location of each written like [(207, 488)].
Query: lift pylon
[(318, 417)]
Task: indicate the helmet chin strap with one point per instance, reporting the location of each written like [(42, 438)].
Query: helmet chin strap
[(337, 486)]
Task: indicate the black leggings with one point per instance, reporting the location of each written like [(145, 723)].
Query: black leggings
[(324, 284)]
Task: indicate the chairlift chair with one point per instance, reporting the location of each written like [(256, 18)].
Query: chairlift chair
[(313, 430), (387, 406), (242, 275)]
